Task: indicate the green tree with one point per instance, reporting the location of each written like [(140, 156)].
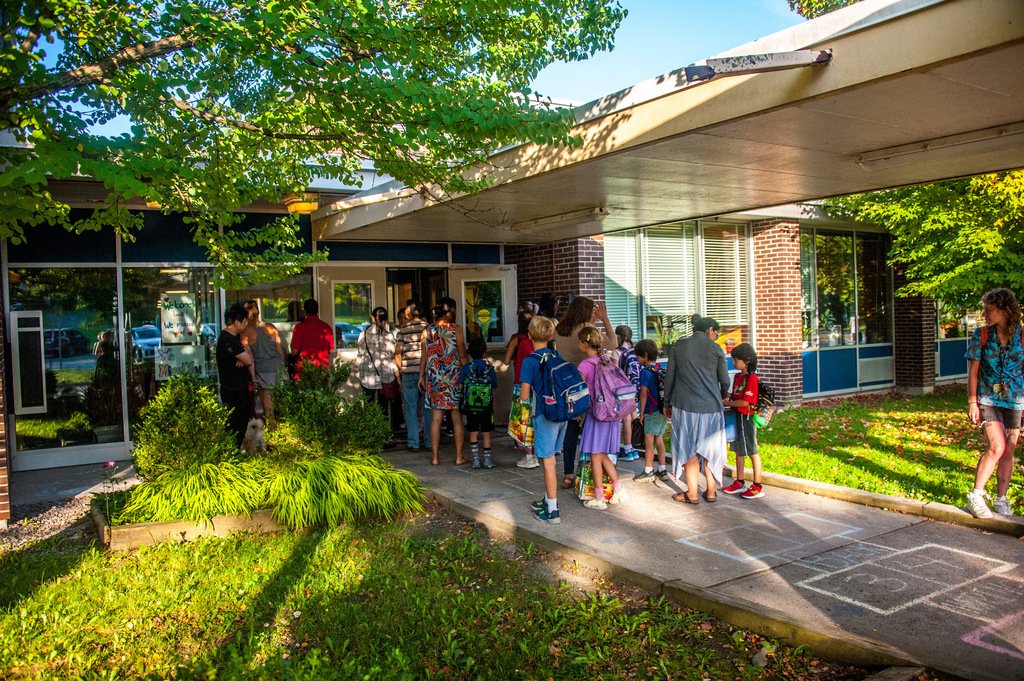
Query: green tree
[(956, 239), (815, 8), (229, 102)]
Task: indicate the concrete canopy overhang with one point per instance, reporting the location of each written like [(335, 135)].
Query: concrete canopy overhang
[(916, 91)]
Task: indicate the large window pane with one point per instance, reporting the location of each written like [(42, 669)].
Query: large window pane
[(670, 281), (280, 301), (483, 310), (808, 289), (622, 280), (834, 271), (874, 310), (351, 311), (171, 326), (726, 282), (81, 356)]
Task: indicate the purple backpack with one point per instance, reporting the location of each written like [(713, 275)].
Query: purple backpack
[(613, 395)]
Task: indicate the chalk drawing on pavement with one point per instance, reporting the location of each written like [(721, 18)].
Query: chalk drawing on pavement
[(1003, 630), (762, 539)]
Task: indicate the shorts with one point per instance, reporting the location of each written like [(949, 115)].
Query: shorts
[(480, 423), (548, 437), (655, 424), (745, 443), (1010, 418), (265, 380)]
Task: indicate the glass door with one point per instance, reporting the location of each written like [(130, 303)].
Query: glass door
[(486, 302)]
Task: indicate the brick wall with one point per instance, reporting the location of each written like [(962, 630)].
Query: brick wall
[(777, 307), (565, 267), (914, 344), (5, 497)]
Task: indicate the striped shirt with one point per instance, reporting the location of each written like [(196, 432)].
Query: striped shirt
[(409, 344)]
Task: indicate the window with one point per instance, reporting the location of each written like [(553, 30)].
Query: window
[(726, 281), (353, 301), (280, 301), (622, 279), (846, 289), (669, 273), (484, 303), (78, 400)]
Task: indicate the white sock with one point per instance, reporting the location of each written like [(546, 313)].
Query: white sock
[(648, 469), (978, 492), (661, 467), (1001, 497), (552, 504)]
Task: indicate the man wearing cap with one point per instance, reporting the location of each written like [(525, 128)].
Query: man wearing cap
[(695, 384)]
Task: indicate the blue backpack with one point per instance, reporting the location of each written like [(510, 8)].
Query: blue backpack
[(563, 393)]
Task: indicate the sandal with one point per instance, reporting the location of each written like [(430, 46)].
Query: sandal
[(568, 481), (708, 499), (684, 499)]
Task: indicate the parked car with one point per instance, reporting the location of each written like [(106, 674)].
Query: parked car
[(347, 335), (145, 341), (64, 342), (209, 333)]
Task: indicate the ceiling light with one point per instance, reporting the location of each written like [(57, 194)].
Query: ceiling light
[(575, 217), (986, 139)]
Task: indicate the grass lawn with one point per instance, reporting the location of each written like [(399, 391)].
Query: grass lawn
[(426, 597), (916, 447)]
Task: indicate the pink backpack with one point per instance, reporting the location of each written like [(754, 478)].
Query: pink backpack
[(613, 395)]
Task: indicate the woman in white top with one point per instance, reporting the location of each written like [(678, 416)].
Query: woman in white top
[(375, 360)]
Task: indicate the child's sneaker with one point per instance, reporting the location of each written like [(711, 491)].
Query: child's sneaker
[(528, 461), (1001, 505), (644, 476), (976, 505), (734, 488), (488, 461), (631, 455), (595, 504), (539, 505), (476, 461), (662, 475), (754, 492), (544, 515)]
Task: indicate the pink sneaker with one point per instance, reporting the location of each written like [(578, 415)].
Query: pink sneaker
[(734, 488)]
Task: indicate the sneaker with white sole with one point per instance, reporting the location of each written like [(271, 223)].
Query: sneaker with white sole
[(544, 515), (595, 504), (1001, 505), (753, 492), (976, 505), (735, 488), (644, 476), (662, 475), (631, 455), (528, 461), (539, 505)]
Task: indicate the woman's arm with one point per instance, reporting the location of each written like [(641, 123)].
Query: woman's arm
[(460, 345)]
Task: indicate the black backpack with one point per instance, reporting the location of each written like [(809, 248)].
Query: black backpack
[(477, 393)]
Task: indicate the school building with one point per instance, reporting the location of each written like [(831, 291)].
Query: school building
[(660, 213)]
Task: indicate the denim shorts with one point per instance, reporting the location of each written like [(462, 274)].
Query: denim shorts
[(1010, 418), (655, 423), (548, 437)]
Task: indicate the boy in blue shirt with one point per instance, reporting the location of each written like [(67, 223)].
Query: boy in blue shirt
[(548, 436), (653, 420), (478, 405)]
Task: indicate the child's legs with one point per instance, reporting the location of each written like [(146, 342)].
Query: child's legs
[(486, 427), (740, 463), (627, 433), (603, 466), (487, 440), (659, 441), (755, 463), (550, 477), (649, 451)]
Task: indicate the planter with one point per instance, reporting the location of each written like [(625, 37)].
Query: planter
[(126, 537)]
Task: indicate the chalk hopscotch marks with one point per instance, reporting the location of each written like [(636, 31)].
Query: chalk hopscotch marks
[(1004, 636), (989, 600), (887, 584), (761, 539)]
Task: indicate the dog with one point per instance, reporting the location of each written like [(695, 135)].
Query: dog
[(253, 442)]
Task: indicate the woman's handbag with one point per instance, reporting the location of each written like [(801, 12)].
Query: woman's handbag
[(391, 390)]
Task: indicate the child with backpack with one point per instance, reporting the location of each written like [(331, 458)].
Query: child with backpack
[(600, 436), (651, 416), (743, 398), (478, 382), (631, 367), (548, 434)]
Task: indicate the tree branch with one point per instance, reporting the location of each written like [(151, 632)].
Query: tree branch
[(185, 107)]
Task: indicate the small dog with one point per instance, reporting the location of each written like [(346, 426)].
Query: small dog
[(253, 442)]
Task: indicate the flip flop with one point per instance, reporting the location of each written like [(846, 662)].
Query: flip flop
[(683, 499), (568, 482)]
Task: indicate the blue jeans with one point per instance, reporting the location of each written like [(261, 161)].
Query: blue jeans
[(416, 413)]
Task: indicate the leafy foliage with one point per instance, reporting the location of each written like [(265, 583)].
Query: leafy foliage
[(198, 493), (363, 426), (956, 239), (228, 102), (181, 427), (815, 8), (331, 490)]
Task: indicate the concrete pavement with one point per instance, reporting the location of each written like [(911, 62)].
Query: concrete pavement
[(855, 583)]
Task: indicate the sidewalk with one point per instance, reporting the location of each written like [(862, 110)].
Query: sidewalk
[(855, 583)]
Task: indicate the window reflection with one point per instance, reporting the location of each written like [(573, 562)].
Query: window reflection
[(483, 310)]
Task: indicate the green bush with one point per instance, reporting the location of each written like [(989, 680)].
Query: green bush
[(181, 427), (362, 427)]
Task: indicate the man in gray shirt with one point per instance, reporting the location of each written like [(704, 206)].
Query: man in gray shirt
[(695, 383)]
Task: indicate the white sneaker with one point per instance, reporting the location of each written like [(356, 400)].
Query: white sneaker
[(976, 505), (619, 497), (595, 504), (528, 461), (1001, 505)]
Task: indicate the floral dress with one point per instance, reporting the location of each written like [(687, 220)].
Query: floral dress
[(443, 365)]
